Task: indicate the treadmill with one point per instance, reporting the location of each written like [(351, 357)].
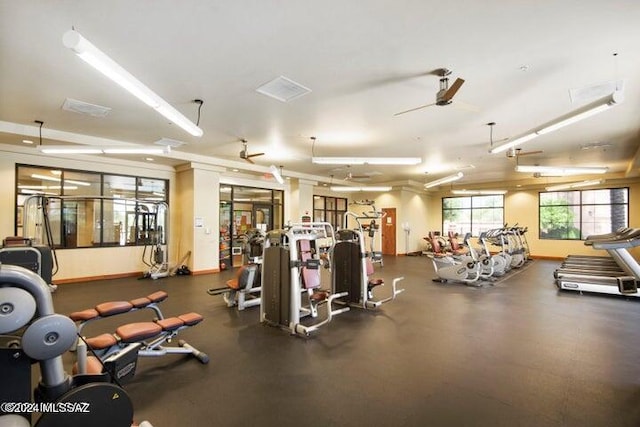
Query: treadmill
[(615, 284)]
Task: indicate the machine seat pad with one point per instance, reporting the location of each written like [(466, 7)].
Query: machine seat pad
[(170, 324), (102, 341), (191, 319), (84, 315), (233, 284), (375, 282), (310, 278), (319, 296), (158, 296), (113, 307), (94, 366), (140, 302), (139, 331)]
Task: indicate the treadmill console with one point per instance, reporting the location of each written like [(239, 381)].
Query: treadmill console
[(627, 285)]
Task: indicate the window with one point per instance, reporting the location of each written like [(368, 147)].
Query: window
[(242, 209), (106, 212), (473, 214), (574, 215), (329, 209)]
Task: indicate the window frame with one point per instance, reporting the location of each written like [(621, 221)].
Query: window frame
[(470, 209), (101, 184), (580, 207), (335, 212)]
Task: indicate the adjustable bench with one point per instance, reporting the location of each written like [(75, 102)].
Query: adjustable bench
[(119, 351), (112, 308)]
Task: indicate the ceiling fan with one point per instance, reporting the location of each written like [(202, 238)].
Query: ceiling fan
[(511, 152), (444, 95), (517, 152), (244, 154), (350, 176)]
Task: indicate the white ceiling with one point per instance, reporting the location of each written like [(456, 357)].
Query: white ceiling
[(363, 61)]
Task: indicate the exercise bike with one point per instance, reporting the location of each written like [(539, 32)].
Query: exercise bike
[(462, 268)]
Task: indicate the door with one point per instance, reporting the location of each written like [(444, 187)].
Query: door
[(262, 216), (388, 228), (70, 224)]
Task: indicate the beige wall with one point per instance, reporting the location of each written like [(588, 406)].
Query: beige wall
[(299, 200), (522, 207), (91, 262), (193, 192)]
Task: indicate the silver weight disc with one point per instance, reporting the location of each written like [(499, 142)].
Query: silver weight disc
[(17, 308), (49, 336)]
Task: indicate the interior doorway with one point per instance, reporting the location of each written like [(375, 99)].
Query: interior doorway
[(388, 229)]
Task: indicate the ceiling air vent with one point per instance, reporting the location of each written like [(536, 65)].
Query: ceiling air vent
[(283, 89), (595, 91), (81, 107)]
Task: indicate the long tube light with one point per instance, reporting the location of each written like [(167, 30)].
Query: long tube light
[(479, 192), (559, 170), (276, 174), (575, 116), (444, 180), (366, 160), (107, 66), (352, 188), (573, 185), (93, 149), (56, 179)]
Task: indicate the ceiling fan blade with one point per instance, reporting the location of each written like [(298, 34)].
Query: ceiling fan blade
[(413, 109), (249, 160), (255, 155), (528, 153), (453, 89), (465, 106)]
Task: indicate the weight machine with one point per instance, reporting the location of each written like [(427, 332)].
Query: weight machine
[(372, 228), (291, 276), (146, 223), (30, 332)]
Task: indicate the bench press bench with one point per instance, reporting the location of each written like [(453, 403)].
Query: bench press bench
[(119, 351), (112, 308)]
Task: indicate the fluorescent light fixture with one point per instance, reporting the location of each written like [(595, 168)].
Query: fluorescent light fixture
[(136, 150), (54, 179), (68, 149), (107, 66), (276, 174), (575, 116), (93, 149), (444, 180), (573, 119), (559, 170), (366, 160), (45, 187), (573, 185), (511, 144), (479, 192), (346, 189)]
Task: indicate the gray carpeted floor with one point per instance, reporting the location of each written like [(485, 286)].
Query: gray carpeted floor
[(515, 354)]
